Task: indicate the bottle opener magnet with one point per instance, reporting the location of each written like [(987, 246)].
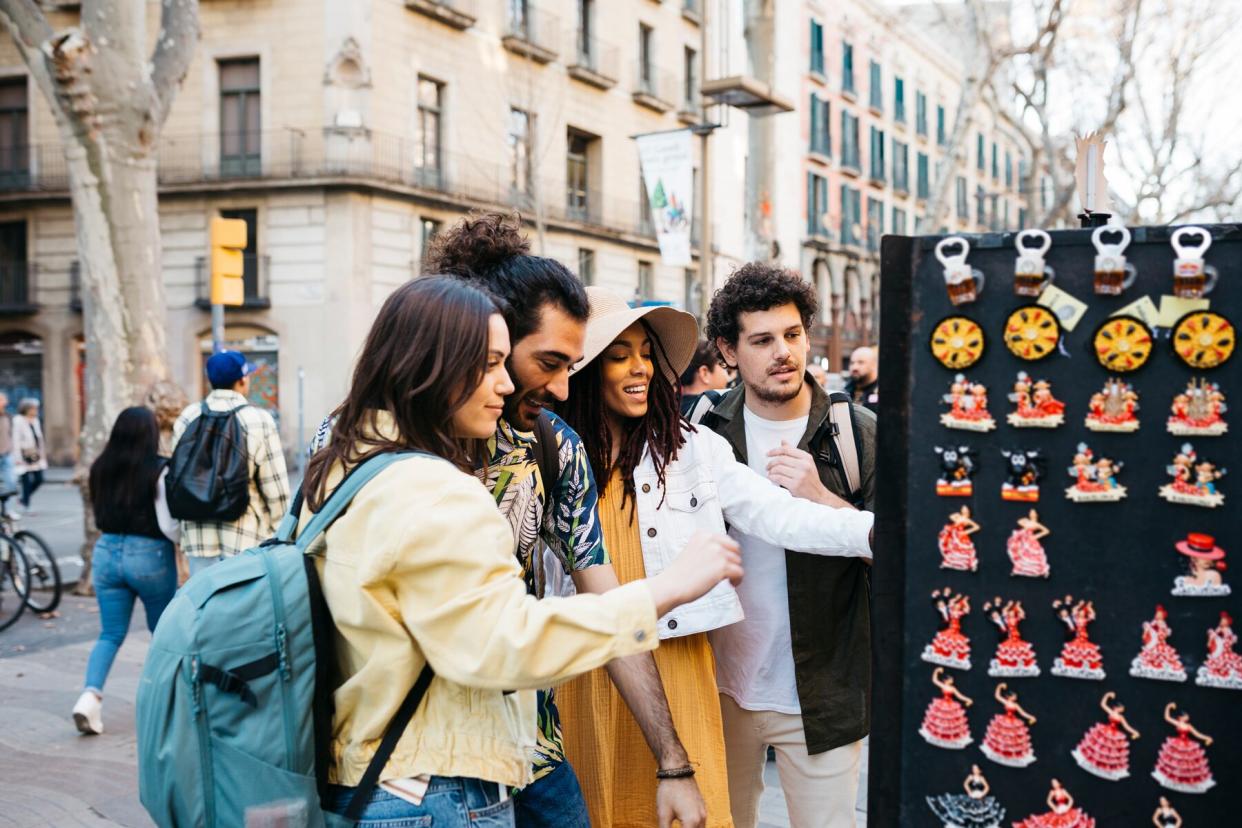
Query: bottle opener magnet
[(1192, 278), (1113, 274), (962, 281), (1030, 274)]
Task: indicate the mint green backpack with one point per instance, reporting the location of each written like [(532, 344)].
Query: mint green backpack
[(234, 705)]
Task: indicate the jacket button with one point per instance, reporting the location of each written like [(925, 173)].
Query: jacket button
[(646, 488), (640, 636), (651, 533), (694, 501), (672, 623)]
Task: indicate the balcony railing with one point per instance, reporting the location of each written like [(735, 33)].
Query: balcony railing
[(531, 32), (17, 287), (256, 274), (460, 14), (654, 88), (692, 10), (595, 62)]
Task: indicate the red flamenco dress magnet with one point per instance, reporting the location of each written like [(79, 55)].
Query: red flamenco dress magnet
[(1008, 740), (968, 406), (1080, 657), (957, 550), (944, 724), (1035, 405), (1025, 550), (950, 648), (1194, 480), (1015, 657), (1198, 411), (1061, 812), (1182, 765), (1158, 660), (1105, 749), (1223, 667), (1206, 561)]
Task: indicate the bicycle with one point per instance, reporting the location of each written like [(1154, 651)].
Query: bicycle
[(14, 582), (44, 574)]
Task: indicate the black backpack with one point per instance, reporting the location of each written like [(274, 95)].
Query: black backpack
[(209, 474)]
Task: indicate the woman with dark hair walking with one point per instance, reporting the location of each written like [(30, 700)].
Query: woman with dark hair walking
[(663, 480), (133, 558), (420, 572)]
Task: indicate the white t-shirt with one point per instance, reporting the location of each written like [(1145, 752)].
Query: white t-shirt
[(754, 658)]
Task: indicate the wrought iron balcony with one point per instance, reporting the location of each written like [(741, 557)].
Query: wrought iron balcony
[(654, 88), (531, 32), (595, 62)]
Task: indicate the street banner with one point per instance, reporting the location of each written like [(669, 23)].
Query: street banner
[(667, 166)]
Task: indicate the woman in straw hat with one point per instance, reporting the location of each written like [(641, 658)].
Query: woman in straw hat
[(662, 482)]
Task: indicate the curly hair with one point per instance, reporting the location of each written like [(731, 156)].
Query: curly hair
[(490, 250), (758, 286)]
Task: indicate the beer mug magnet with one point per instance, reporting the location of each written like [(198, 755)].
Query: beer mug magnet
[(1192, 278), (1031, 275), (962, 281), (1113, 274)]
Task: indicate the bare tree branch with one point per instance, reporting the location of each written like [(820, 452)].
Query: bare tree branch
[(174, 50), (30, 30)]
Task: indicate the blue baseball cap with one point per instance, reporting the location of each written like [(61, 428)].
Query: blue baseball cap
[(225, 368)]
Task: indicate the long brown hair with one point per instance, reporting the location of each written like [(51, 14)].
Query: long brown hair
[(659, 430), (425, 355)]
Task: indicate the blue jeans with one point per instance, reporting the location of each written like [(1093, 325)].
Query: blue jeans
[(197, 563), (127, 567), (8, 477), (552, 801), (450, 802), (31, 481)]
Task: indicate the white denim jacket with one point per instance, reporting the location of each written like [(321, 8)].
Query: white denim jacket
[(704, 488)]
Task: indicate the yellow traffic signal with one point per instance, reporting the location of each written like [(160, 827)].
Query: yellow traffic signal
[(228, 240)]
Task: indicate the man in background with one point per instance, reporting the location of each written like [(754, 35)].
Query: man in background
[(705, 373), (863, 385)]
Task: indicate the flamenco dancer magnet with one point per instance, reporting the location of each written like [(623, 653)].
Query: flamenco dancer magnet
[(1198, 411), (1062, 813), (975, 809), (1008, 740), (1036, 407), (1206, 561), (1025, 550), (1113, 408), (957, 550), (1095, 480), (968, 406), (1105, 749), (1157, 659), (1025, 470), (1182, 765), (1080, 657), (957, 468), (1223, 667), (944, 723), (1015, 657), (950, 648), (1194, 480)]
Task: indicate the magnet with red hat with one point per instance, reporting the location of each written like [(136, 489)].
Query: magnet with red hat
[(1206, 562)]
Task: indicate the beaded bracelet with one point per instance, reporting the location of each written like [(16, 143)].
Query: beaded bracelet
[(684, 772)]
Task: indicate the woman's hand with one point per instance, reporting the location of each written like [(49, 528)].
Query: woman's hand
[(707, 560)]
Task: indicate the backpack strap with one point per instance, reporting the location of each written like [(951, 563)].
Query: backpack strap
[(705, 403), (546, 454), (845, 436)]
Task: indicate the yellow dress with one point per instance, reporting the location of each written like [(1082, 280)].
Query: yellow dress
[(602, 740)]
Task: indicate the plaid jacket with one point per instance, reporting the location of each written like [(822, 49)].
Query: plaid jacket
[(269, 483)]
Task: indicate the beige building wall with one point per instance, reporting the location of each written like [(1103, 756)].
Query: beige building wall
[(341, 203)]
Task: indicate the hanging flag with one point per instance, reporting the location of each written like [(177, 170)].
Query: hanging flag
[(667, 166)]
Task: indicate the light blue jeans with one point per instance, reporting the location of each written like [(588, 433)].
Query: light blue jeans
[(8, 479), (450, 802), (127, 567)]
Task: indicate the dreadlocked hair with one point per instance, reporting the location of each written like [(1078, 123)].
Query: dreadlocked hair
[(658, 431)]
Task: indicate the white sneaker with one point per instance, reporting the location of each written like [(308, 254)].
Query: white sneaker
[(16, 515), (88, 713)]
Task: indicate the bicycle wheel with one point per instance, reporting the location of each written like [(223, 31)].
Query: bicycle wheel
[(44, 593), (14, 582)]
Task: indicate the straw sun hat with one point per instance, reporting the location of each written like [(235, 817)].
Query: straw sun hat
[(677, 331)]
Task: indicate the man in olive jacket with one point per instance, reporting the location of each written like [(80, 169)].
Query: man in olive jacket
[(796, 673)]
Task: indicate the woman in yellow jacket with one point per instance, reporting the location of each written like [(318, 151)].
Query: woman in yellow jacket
[(420, 570)]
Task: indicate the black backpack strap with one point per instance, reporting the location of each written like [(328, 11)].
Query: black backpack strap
[(546, 454), (396, 727)]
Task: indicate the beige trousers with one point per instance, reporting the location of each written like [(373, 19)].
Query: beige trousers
[(820, 790)]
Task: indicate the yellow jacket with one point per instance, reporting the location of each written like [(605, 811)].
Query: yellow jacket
[(421, 567)]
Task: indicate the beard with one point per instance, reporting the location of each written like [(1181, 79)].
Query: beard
[(779, 393)]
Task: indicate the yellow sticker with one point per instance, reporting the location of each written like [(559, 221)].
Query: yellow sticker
[(1144, 309), (1173, 308), (1067, 309)]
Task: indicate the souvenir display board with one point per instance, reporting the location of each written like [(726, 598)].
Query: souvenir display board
[(1060, 481)]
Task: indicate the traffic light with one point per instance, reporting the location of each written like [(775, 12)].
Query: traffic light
[(228, 240)]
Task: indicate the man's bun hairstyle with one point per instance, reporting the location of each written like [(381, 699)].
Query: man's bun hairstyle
[(479, 242)]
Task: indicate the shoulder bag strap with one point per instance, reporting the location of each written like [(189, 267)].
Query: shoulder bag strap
[(546, 454), (846, 441)]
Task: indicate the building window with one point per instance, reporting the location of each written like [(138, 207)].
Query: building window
[(899, 221), (1006, 224), (901, 167), (14, 270), (428, 229), (899, 101), (920, 113), (586, 265), (877, 155), (646, 50), (239, 117), (994, 212), (14, 133), (1021, 218), (250, 255), (981, 206), (577, 176), (963, 208), (427, 135), (692, 295), (816, 204), (847, 67), (1009, 170), (646, 282), (646, 225), (817, 47), (821, 131), (519, 18), (877, 90), (851, 210), (981, 153), (995, 162), (875, 223), (586, 15), (519, 152), (690, 92), (941, 137), (924, 182), (849, 141)]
